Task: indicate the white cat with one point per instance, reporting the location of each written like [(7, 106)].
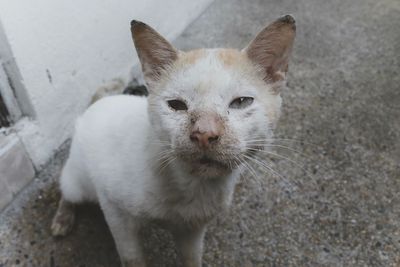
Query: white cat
[(176, 156)]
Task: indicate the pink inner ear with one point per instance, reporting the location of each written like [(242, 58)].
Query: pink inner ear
[(272, 47)]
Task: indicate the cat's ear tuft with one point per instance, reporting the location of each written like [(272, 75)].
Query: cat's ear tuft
[(154, 51), (271, 48)]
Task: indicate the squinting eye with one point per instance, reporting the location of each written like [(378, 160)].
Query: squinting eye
[(241, 102), (177, 104)]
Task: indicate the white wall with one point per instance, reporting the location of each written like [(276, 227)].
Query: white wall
[(66, 49)]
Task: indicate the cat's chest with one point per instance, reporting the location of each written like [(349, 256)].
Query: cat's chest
[(195, 204)]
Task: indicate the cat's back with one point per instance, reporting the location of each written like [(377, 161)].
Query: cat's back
[(121, 111), (110, 106), (115, 123)]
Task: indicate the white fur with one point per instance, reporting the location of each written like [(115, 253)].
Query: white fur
[(119, 141), (106, 150)]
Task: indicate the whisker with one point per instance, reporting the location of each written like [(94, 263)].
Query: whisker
[(165, 164), (288, 148), (160, 158), (260, 142), (166, 151), (285, 147), (250, 170), (166, 144), (288, 159), (297, 152), (240, 164), (282, 140), (162, 155), (262, 164)]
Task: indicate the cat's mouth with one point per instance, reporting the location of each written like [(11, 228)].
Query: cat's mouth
[(207, 161)]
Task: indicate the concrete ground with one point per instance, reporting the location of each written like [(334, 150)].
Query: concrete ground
[(336, 203)]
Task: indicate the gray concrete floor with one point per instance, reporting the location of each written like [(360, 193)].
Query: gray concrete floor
[(340, 208)]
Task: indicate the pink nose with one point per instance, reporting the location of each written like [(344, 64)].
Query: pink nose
[(204, 139), (206, 130)]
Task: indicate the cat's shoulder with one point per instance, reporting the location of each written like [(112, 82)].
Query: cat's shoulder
[(114, 111), (117, 106), (118, 103)]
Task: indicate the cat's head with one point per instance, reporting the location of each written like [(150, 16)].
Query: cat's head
[(213, 108)]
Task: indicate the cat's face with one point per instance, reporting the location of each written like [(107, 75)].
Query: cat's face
[(219, 93), (214, 108)]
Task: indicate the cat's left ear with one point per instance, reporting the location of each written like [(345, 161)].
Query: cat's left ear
[(155, 52), (271, 48)]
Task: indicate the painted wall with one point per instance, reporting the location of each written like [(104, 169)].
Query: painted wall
[(65, 50)]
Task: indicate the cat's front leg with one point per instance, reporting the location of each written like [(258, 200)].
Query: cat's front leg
[(125, 230), (189, 242)]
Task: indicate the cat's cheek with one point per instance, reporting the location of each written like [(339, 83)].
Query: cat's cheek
[(240, 122), (179, 132)]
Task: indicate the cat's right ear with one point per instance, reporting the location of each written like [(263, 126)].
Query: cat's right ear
[(155, 53), (271, 49)]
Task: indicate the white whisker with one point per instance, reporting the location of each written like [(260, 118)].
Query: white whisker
[(285, 158), (269, 168), (266, 141), (257, 178)]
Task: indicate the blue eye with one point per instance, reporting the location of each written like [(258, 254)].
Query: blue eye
[(176, 104), (241, 102)]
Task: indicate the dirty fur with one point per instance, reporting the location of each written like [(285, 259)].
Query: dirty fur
[(145, 159)]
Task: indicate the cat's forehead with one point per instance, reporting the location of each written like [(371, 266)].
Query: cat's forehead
[(210, 70), (227, 57), (212, 60)]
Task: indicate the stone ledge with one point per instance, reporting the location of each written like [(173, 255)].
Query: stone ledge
[(16, 169)]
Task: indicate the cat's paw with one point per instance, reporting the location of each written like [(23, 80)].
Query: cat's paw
[(134, 263), (63, 221)]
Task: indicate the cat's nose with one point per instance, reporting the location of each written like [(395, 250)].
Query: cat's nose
[(206, 131), (204, 140)]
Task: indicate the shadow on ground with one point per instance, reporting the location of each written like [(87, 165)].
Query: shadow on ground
[(336, 203)]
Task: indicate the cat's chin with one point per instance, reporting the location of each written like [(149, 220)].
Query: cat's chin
[(212, 163), (207, 167)]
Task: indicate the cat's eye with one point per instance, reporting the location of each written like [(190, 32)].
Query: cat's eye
[(176, 104), (241, 102)]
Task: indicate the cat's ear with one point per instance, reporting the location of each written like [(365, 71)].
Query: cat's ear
[(155, 53), (271, 48)]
